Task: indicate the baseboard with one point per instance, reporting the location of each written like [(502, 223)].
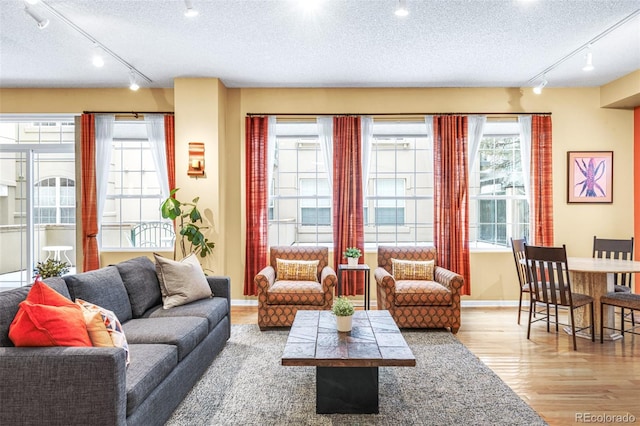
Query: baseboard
[(464, 303)]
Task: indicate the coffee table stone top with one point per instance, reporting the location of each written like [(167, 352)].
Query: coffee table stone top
[(374, 341)]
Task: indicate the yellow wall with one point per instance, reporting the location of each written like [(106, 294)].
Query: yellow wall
[(207, 111)]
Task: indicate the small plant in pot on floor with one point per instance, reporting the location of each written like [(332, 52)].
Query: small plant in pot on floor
[(51, 268), (343, 310)]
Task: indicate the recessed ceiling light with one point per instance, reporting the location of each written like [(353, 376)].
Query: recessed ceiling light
[(402, 10)]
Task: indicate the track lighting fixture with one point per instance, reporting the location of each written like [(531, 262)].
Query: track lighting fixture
[(190, 12), (402, 10), (588, 66), (133, 84), (538, 89), (98, 60), (42, 22)]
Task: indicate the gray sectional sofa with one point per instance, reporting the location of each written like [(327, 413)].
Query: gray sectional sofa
[(169, 351)]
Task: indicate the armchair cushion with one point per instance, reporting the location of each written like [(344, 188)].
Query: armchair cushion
[(422, 293), (297, 270), (296, 293), (412, 270)]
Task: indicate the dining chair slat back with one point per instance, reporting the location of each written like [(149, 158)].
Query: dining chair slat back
[(551, 286), (606, 248), (517, 246)]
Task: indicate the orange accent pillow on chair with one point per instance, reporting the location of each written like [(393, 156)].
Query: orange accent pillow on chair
[(46, 318)]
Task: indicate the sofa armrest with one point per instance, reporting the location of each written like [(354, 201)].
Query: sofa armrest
[(63, 385), (265, 278), (384, 279), (328, 278), (221, 287), (449, 279)]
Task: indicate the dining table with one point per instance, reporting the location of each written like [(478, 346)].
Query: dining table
[(595, 277)]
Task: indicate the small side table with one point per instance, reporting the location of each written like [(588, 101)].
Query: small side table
[(367, 285), (56, 250)]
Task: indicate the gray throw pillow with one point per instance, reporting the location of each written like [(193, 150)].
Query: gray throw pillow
[(181, 281)]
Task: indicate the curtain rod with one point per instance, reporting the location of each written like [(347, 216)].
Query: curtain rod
[(251, 114), (128, 112)]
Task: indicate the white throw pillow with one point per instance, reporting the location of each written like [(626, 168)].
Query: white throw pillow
[(181, 282)]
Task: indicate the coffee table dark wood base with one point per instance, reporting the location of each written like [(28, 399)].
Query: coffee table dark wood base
[(347, 390)]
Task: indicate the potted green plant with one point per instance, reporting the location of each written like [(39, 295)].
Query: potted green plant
[(190, 224), (352, 254), (343, 310), (51, 268)]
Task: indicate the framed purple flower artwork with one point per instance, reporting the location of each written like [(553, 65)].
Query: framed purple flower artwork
[(590, 177)]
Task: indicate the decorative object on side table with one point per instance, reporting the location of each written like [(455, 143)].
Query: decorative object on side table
[(352, 254), (343, 310), (190, 224), (51, 268)]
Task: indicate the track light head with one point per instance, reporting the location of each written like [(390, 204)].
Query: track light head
[(133, 84), (402, 10), (588, 66), (538, 89), (190, 12), (97, 60), (42, 23)]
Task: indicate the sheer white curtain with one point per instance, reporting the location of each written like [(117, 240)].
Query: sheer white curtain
[(428, 121), (104, 139), (325, 137), (367, 143), (524, 122), (475, 124), (271, 152), (157, 142)]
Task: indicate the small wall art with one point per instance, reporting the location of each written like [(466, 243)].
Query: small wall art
[(590, 177)]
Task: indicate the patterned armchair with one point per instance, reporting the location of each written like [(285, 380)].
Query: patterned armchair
[(417, 303), (280, 299)]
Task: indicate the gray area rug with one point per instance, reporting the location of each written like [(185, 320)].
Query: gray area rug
[(246, 385)]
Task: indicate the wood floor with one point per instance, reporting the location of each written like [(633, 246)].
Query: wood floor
[(557, 382)]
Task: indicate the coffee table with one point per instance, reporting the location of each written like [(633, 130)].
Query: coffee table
[(346, 363)]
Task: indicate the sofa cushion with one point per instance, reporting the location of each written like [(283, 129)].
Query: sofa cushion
[(181, 281), (183, 332), (58, 284), (412, 270), (297, 270), (104, 287), (213, 310), (140, 280), (150, 365)]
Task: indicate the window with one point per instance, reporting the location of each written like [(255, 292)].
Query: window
[(54, 201), (133, 192), (300, 200), (315, 202), (498, 208), (399, 194)]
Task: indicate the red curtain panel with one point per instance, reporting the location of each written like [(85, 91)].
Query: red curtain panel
[(541, 205), (451, 200), (256, 132), (348, 221), (88, 195), (170, 143)]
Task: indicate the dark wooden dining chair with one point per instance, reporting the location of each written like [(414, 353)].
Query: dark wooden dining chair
[(623, 301), (606, 248), (551, 287), (517, 246)]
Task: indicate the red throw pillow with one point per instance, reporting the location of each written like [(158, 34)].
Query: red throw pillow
[(46, 318), (42, 294)]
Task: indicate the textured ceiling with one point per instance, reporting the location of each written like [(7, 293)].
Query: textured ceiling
[(345, 43)]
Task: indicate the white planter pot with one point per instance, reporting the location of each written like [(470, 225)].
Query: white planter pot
[(344, 323), (352, 261)]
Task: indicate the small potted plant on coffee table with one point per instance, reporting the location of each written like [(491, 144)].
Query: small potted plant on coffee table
[(352, 254), (343, 310)]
